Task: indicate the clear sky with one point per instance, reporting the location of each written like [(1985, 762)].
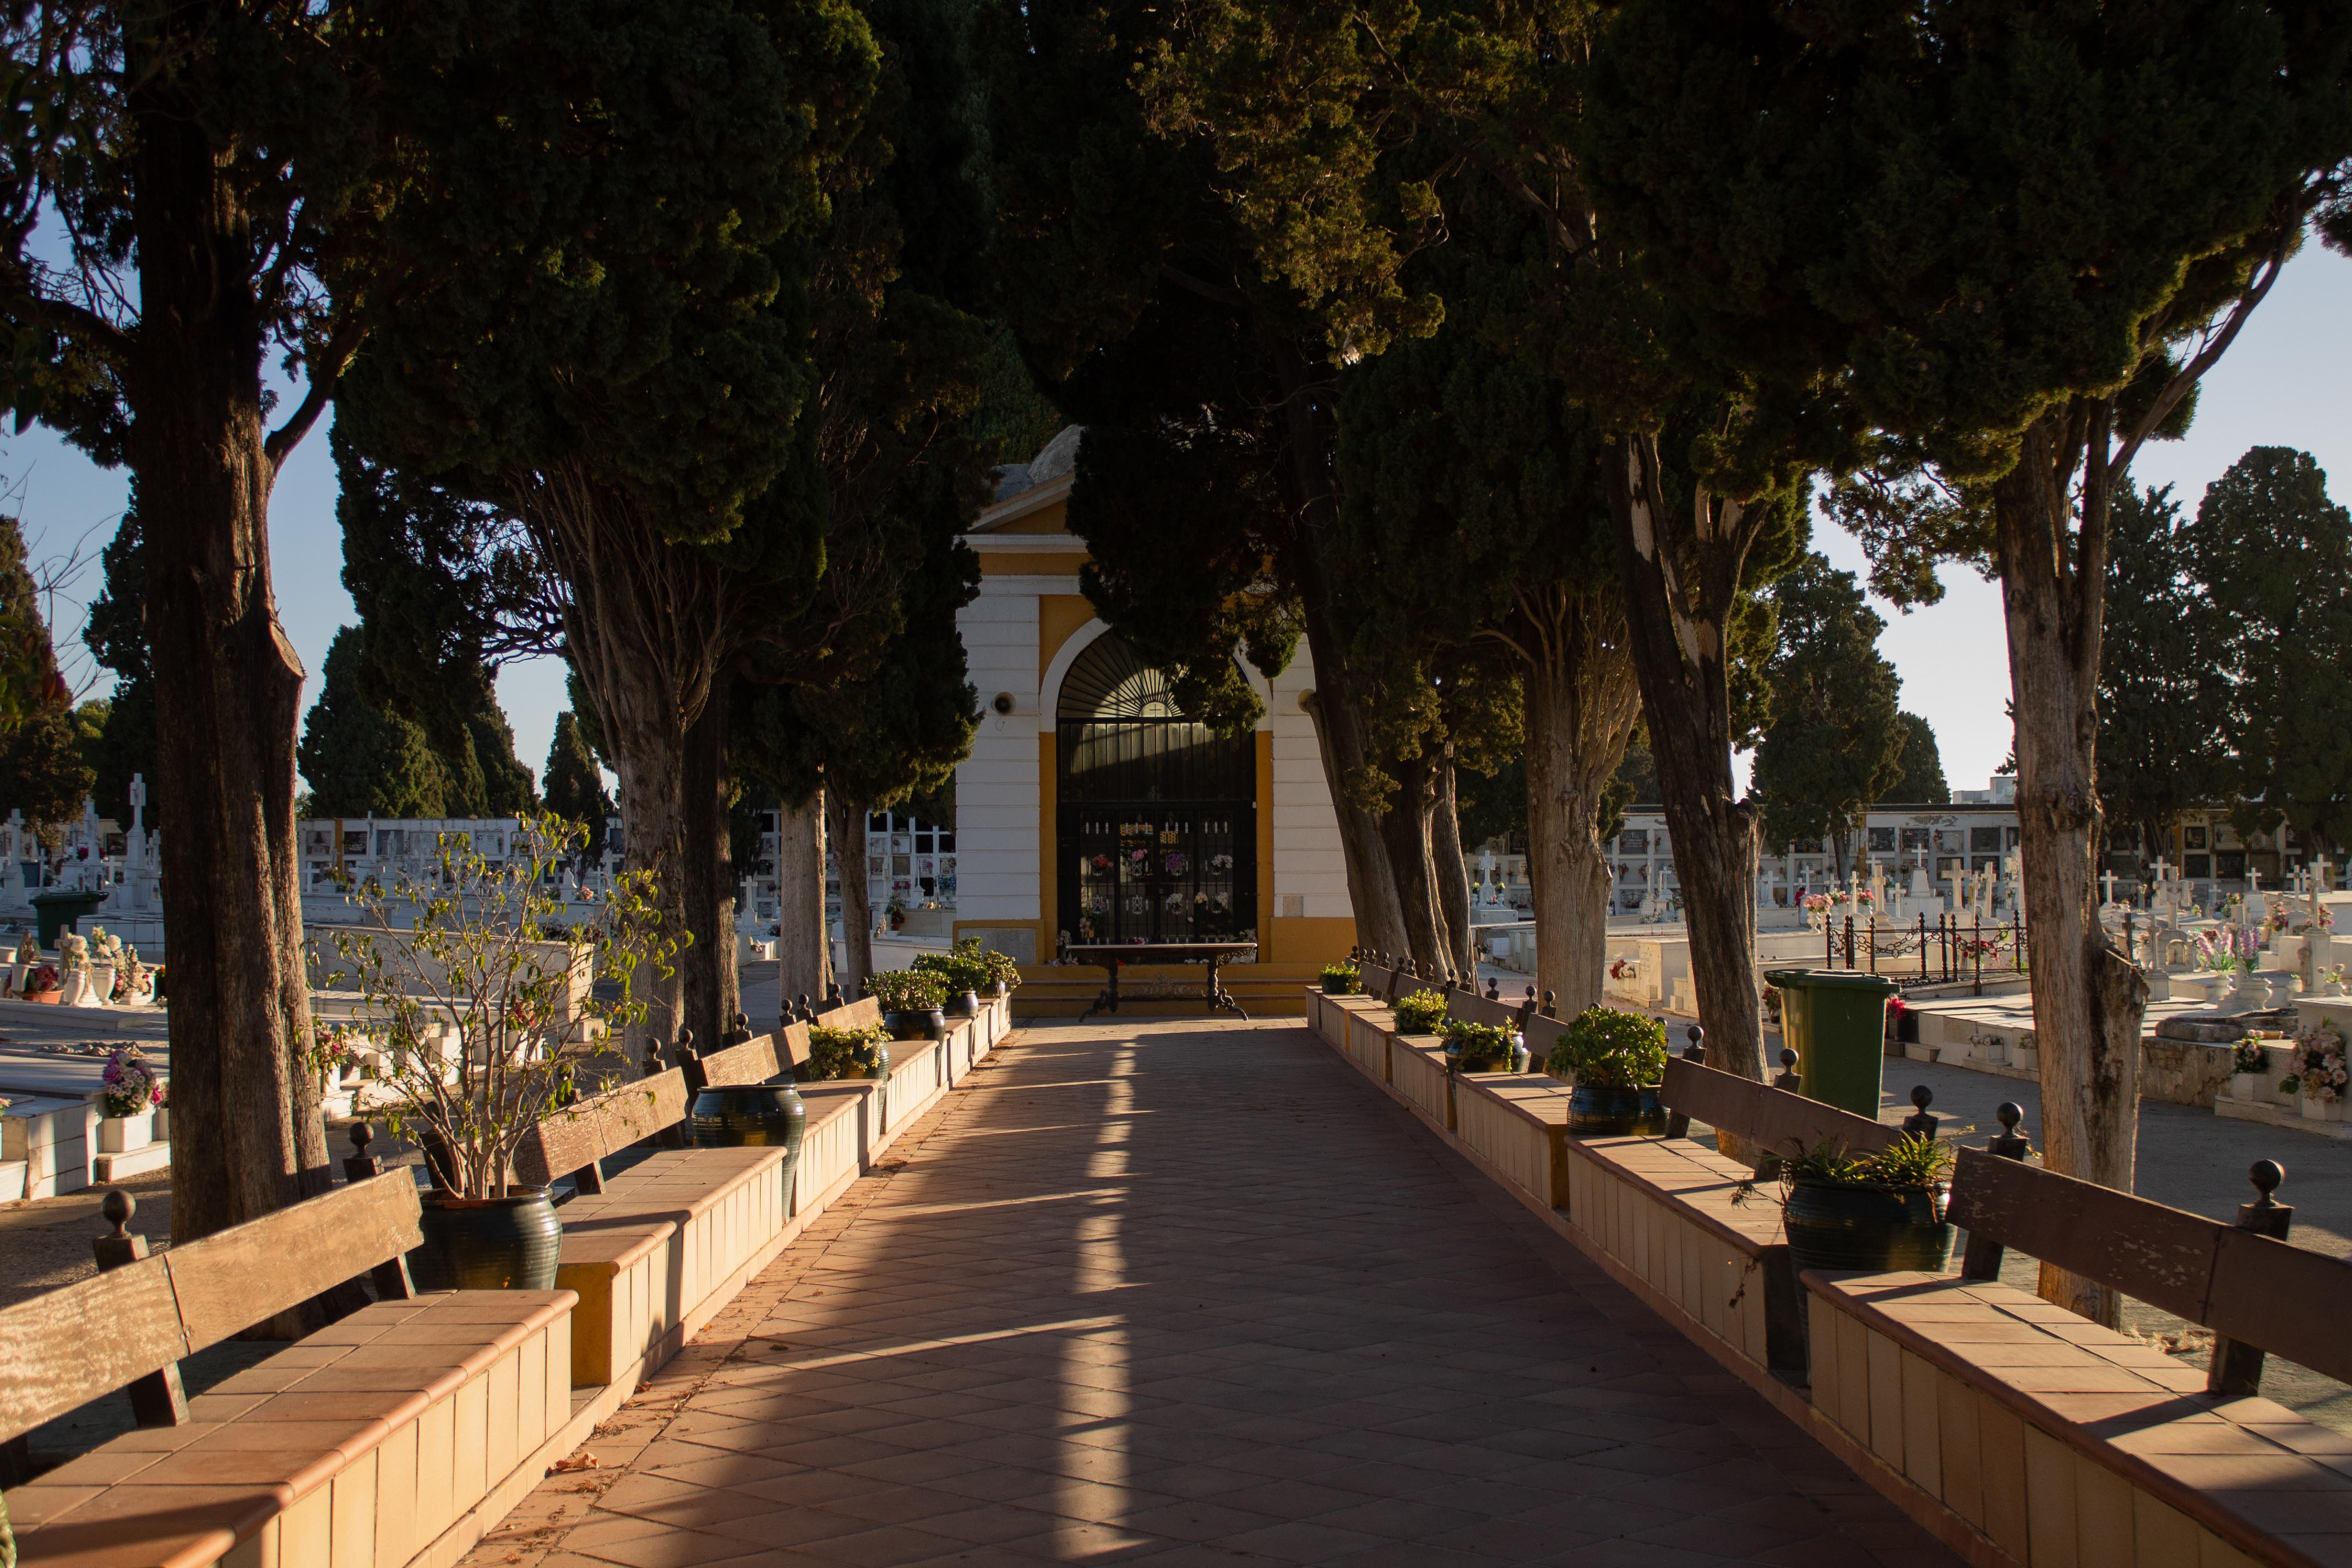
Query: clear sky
[(2286, 382)]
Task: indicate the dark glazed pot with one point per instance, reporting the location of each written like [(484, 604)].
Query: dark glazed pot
[(962, 1005), (488, 1244), (750, 1115), (1833, 1225), (931, 1026), (1616, 1113)]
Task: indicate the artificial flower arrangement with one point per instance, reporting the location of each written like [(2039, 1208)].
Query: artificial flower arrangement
[(1815, 904), (43, 980), (2321, 1071), (2248, 1056), (73, 953), (28, 950), (2216, 950), (1864, 898), (1174, 862), (1100, 862), (132, 1087), (1624, 968), (2325, 920), (1221, 862)]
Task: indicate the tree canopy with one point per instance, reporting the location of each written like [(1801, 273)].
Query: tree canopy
[(1919, 765), (2162, 712), (1836, 742), (2273, 555)]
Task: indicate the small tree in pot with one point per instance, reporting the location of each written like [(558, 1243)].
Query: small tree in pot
[(1342, 979), (1480, 1047), (964, 971), (1616, 1061), (838, 1054), (476, 999)]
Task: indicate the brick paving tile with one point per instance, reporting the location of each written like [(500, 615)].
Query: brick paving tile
[(1185, 1293)]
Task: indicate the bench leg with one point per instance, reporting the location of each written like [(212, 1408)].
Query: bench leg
[(157, 1399), (589, 1178), (392, 1281)]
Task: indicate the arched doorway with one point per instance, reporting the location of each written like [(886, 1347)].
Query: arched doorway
[(1157, 816)]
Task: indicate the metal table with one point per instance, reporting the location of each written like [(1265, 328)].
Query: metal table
[(1115, 955)]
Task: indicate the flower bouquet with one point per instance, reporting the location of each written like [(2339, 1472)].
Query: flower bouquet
[(41, 986), (2322, 1076), (131, 1085), (1174, 862)]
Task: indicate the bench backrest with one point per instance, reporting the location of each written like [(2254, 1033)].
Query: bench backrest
[(66, 1347), (2286, 1298), (605, 1123), (1385, 984), (1772, 1119), (601, 1125)]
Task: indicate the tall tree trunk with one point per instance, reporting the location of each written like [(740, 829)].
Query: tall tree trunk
[(2088, 998), (1682, 566), (803, 949), (1581, 703), (227, 684), (1341, 733), (645, 630), (1452, 875), (1404, 828), (844, 829), (710, 987)]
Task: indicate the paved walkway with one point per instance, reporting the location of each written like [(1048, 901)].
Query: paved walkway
[(1193, 1294)]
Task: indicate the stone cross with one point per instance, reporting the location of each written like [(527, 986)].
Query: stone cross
[(2110, 880)]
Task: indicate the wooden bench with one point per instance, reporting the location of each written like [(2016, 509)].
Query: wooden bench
[(2052, 1438), (654, 1251), (363, 1443)]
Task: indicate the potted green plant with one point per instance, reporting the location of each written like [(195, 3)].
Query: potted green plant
[(1420, 1012), (1616, 1062), (964, 971), (1878, 1212), (1479, 1048), (910, 1004), (483, 1007), (838, 1054), (1342, 979)]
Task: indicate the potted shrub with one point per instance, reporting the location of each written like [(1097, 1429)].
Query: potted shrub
[(1873, 1212), (1342, 979), (1616, 1061), (838, 1054), (910, 1004), (465, 980), (1480, 1047), (964, 972), (1420, 1012), (129, 1091)]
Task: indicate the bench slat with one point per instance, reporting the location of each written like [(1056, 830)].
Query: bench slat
[(2160, 1255), (753, 1061), (2242, 1286), (233, 1278), (602, 1124), (64, 1348), (2288, 1300), (1774, 1118)]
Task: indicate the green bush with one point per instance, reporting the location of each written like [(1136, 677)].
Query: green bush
[(1421, 1013), (907, 990), (965, 967), (843, 1054), (1605, 1048), (1341, 979), (1482, 1047)]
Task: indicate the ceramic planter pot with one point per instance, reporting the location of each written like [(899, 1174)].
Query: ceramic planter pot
[(962, 1005), (1596, 1112), (750, 1115), (1833, 1224), (488, 1244), (927, 1026)]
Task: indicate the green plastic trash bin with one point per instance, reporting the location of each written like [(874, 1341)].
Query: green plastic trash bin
[(1835, 1020), (59, 912)]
